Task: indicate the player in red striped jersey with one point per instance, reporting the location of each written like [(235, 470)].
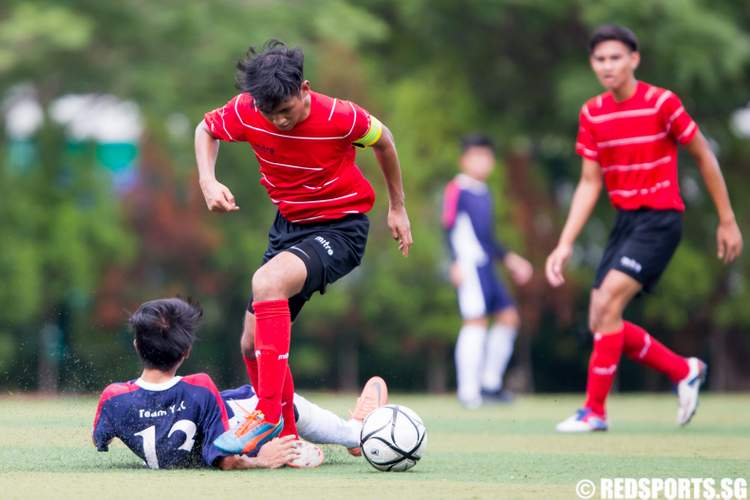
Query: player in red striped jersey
[(304, 143), (628, 138)]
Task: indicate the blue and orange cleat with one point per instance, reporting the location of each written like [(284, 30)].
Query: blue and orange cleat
[(250, 435), (584, 420)]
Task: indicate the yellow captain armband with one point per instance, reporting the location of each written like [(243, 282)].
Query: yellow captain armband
[(373, 134)]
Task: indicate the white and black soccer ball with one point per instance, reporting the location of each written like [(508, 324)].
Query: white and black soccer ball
[(393, 438)]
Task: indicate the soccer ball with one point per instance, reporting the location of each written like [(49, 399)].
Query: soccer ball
[(393, 438)]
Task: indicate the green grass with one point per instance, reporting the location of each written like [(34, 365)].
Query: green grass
[(495, 452)]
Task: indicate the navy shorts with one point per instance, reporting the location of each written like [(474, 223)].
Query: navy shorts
[(329, 249), (641, 245), (481, 293)]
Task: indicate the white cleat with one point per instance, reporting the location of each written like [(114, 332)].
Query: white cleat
[(471, 404), (310, 455), (687, 390), (583, 420)]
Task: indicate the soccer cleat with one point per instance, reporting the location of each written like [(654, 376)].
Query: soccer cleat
[(310, 455), (374, 395), (500, 396), (250, 435), (584, 420), (471, 404), (687, 390)]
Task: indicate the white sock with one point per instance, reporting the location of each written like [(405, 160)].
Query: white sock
[(498, 351), (468, 354), (318, 425)]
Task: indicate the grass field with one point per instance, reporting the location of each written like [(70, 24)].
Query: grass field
[(495, 452)]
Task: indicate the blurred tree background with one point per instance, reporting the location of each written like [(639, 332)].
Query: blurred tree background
[(92, 227)]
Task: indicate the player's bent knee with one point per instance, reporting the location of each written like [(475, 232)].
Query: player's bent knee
[(604, 312), (280, 278), (480, 322), (597, 320), (509, 317), (265, 287), (600, 300)]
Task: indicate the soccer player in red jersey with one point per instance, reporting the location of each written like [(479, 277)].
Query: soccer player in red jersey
[(304, 143), (628, 138)]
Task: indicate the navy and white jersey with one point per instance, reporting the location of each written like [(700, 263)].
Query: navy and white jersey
[(468, 222), (240, 402), (172, 424), (470, 236)]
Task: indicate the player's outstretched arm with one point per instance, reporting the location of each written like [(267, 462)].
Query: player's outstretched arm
[(584, 201), (218, 197), (274, 454), (398, 219), (728, 235)]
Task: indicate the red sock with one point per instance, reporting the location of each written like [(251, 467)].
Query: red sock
[(273, 326), (602, 370), (251, 367), (287, 405), (643, 348)]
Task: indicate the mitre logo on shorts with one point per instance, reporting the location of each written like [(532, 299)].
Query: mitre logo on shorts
[(325, 243), (631, 264)]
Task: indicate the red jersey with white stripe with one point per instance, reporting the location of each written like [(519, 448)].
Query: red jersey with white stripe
[(309, 171), (635, 143)]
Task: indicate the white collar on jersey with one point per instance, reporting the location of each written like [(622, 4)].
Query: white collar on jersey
[(471, 184), (149, 386)]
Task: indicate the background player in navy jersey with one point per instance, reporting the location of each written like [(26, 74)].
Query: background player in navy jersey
[(171, 421), (304, 143), (481, 355), (628, 138)]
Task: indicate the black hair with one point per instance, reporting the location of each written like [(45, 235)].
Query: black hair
[(272, 74), (476, 140), (164, 330), (607, 32)]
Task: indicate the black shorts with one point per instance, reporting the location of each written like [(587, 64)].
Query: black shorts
[(641, 245), (329, 249)]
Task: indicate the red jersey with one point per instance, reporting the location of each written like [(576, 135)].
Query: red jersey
[(635, 143), (309, 171)]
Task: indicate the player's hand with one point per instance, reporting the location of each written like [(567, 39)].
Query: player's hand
[(456, 276), (556, 263), (520, 269), (277, 452), (398, 223), (218, 197), (728, 241)]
